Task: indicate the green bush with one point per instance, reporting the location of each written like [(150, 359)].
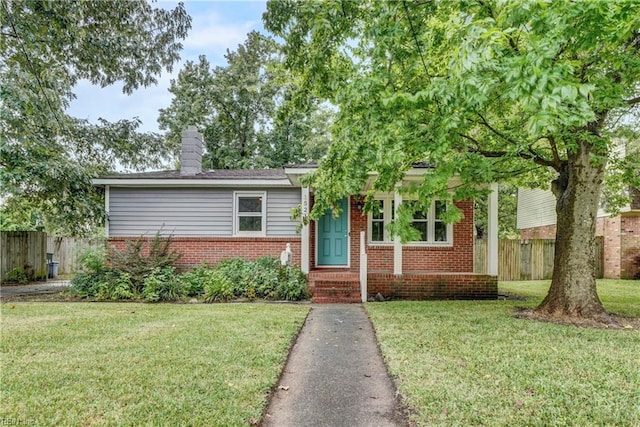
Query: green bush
[(292, 285), (237, 271), (116, 286), (85, 284), (93, 260), (19, 275), (163, 285), (152, 277), (144, 269), (218, 288), (141, 256), (193, 280), (263, 278)]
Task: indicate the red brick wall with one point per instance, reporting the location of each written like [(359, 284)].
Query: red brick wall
[(212, 250), (609, 228), (543, 232), (419, 286), (629, 246), (456, 258)]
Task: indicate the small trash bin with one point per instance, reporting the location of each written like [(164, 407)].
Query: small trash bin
[(53, 269)]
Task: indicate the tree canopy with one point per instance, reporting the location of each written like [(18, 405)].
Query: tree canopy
[(246, 110), (47, 158), (486, 91)]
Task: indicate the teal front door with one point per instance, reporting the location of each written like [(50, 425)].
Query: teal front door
[(333, 237)]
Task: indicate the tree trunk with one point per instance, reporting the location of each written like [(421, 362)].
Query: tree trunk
[(573, 285)]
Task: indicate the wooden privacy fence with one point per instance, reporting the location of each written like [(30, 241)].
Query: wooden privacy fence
[(527, 259), (27, 251), (66, 251), (24, 252)]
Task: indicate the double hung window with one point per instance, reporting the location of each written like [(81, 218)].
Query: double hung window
[(249, 213), (429, 223)]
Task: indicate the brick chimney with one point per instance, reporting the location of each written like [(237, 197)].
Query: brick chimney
[(191, 158)]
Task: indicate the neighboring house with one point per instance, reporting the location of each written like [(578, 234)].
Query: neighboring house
[(213, 215), (536, 219)]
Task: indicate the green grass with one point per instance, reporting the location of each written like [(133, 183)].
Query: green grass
[(617, 296), (142, 364), (472, 363)]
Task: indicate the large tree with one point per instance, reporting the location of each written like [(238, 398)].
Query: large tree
[(485, 91), (246, 109), (47, 158)]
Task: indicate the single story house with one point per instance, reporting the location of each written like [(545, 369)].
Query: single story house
[(213, 215), (536, 219)]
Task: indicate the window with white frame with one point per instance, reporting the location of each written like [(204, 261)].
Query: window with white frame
[(430, 224), (250, 213)]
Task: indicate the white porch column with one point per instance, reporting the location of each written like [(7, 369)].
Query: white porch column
[(397, 244), (304, 251), (492, 231), (106, 211)]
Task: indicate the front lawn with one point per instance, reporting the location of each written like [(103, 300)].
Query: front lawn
[(473, 363), (618, 296), (142, 364)]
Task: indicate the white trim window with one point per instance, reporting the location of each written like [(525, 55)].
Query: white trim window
[(249, 213), (431, 227)]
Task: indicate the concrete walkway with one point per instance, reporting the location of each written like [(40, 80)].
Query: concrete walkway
[(335, 375), (49, 287)]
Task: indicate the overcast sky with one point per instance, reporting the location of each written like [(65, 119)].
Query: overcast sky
[(216, 27)]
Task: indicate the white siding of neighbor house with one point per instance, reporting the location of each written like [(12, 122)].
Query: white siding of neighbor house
[(191, 211), (535, 208)]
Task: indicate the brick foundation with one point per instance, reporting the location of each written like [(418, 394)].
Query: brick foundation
[(212, 250), (423, 286)]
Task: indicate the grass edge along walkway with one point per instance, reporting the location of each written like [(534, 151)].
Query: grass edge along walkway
[(142, 364), (473, 363)]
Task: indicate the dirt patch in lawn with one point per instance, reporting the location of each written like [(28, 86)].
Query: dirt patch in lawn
[(612, 321)]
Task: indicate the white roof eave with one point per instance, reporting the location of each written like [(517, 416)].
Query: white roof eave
[(159, 182)]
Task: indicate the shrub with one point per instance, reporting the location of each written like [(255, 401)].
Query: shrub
[(93, 260), (143, 269), (19, 275), (218, 287), (263, 278), (292, 285), (85, 284), (238, 272), (141, 256), (116, 286), (163, 285), (193, 280)]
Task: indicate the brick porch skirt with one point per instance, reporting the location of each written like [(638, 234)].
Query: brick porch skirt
[(427, 285)]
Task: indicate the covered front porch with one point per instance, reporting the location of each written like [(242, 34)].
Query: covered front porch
[(345, 263)]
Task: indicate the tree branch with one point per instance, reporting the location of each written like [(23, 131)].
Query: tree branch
[(533, 156), (415, 38), (633, 101), (495, 131), (554, 149)]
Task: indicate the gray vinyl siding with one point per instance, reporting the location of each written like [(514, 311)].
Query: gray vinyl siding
[(279, 204), (196, 212), (177, 211)]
